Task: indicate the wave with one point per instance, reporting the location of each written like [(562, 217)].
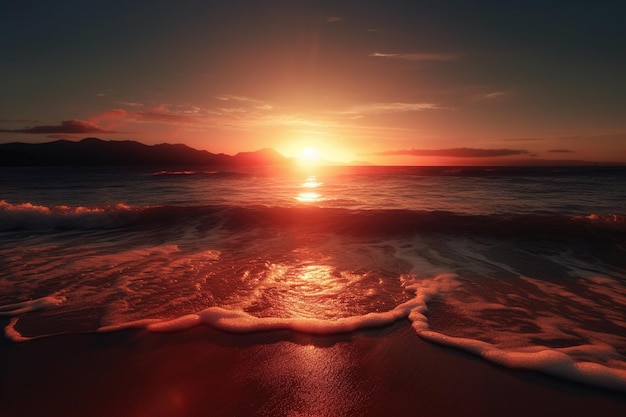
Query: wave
[(390, 222), (28, 216), (209, 174), (593, 363)]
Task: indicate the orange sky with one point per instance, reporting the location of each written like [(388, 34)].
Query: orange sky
[(387, 82)]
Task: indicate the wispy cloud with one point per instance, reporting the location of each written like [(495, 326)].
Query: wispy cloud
[(454, 152), (113, 120), (494, 95), (334, 19), (247, 113), (66, 126), (225, 112), (561, 151), (244, 99), (619, 137), (19, 121), (243, 102), (129, 103), (294, 120), (168, 114), (435, 56), (389, 108)]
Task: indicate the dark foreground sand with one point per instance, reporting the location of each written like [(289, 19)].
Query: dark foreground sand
[(203, 372)]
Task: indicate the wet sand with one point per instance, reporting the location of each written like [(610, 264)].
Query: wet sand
[(204, 372)]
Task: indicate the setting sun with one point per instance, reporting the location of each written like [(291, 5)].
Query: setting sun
[(309, 154)]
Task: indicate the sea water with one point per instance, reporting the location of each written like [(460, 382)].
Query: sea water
[(525, 267)]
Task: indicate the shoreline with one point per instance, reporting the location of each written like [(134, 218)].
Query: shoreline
[(203, 371)]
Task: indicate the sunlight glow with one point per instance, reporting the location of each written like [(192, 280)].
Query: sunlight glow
[(311, 182), (309, 194), (308, 156), (308, 197), (309, 153)]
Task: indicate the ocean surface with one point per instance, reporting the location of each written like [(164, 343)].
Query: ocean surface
[(525, 267)]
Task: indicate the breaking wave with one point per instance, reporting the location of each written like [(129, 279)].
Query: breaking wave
[(392, 222)]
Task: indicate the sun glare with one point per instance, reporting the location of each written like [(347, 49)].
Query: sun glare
[(308, 155)]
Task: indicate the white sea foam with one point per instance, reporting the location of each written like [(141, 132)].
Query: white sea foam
[(241, 322), (596, 362), (551, 361), (588, 355), (34, 216), (237, 321), (16, 309)]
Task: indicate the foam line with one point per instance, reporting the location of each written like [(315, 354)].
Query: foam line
[(550, 361), (16, 309)]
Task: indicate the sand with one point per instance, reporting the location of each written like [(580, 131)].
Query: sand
[(204, 372)]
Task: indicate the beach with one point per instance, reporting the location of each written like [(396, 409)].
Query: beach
[(127, 293), (388, 371)]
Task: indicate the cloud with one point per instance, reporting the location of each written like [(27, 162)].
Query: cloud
[(137, 115), (109, 114), (165, 117), (232, 97), (166, 114), (19, 121), (436, 56), (105, 122), (377, 108), (231, 111), (244, 103), (334, 19), (455, 152), (129, 103), (561, 151), (66, 126), (492, 96), (246, 113), (294, 120)]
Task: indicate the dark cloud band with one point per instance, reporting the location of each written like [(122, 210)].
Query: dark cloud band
[(455, 152)]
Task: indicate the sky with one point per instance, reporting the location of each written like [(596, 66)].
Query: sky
[(388, 82)]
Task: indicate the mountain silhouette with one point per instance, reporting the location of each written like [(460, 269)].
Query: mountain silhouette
[(97, 152)]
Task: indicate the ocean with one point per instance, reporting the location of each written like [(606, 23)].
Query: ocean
[(524, 267)]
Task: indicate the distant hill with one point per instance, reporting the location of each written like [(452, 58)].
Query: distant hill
[(97, 152)]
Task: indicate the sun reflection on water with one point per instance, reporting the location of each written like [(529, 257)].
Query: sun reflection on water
[(306, 290), (310, 196), (311, 182)]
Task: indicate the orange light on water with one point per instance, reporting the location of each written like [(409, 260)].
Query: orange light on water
[(309, 197), (311, 182)]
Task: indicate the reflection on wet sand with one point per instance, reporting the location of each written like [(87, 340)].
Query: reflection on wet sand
[(311, 380)]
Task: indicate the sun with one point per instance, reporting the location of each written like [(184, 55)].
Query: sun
[(309, 154), (308, 157)]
